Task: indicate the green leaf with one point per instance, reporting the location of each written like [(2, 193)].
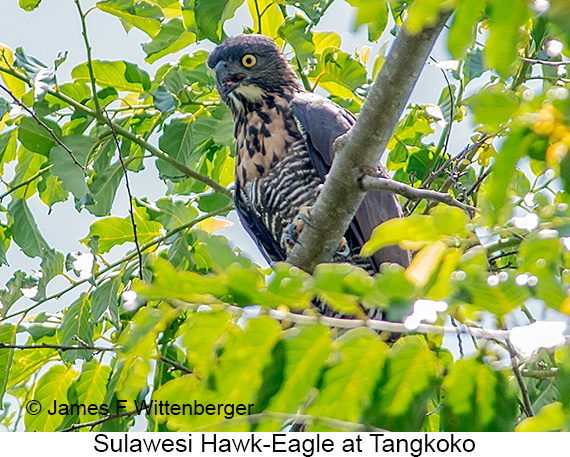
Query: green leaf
[(409, 378), (36, 138), (140, 14), (185, 285), (52, 387), (13, 291), (269, 22), (373, 13), (140, 339), (360, 358), (88, 389), (120, 75), (473, 66), (203, 335), (16, 85), (514, 147), (478, 399), (113, 231), (104, 188), (506, 17), (52, 265), (550, 418), (417, 230), (28, 165), (29, 5), (171, 38), (7, 336), (77, 329), (5, 239), (51, 191), (104, 297), (163, 100), (493, 106), (340, 74), (64, 167), (425, 13), (464, 28), (8, 145), (296, 31), (181, 139), (211, 16), (24, 229), (306, 348)]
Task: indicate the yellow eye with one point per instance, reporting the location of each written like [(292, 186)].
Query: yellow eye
[(248, 60)]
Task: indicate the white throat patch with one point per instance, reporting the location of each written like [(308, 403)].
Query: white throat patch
[(252, 93)]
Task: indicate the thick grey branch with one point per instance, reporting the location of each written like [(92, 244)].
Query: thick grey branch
[(413, 193), (358, 152)]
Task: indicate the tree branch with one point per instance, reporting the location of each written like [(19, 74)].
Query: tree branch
[(92, 424), (359, 151), (413, 193)]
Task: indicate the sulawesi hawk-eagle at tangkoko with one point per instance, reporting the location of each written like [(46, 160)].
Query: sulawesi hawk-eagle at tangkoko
[(284, 150)]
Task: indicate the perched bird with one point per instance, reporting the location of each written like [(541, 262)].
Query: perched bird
[(284, 150)]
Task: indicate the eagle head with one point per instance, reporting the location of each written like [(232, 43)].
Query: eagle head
[(247, 68)]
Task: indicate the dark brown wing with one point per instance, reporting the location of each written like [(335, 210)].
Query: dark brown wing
[(322, 122)]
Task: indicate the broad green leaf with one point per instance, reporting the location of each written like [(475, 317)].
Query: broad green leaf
[(478, 398), (211, 16), (163, 100), (313, 8), (181, 140), (104, 187), (77, 329), (140, 338), (64, 167), (473, 66), (514, 147), (8, 146), (5, 240), (7, 336), (13, 292), (306, 348), (415, 231), (28, 165), (35, 137), (424, 13), (171, 213), (550, 418), (51, 190), (240, 364), (464, 28), (361, 356), (506, 17), (296, 31), (140, 14), (88, 389), (52, 387), (113, 231), (409, 378), (171, 38), (339, 73), (52, 265), (204, 334), (24, 229), (120, 75), (493, 106), (104, 297), (26, 363), (185, 285), (373, 13)]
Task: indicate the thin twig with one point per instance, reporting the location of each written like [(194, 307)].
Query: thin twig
[(102, 420), (298, 418), (413, 193), (89, 58), (540, 374), (549, 63), (129, 193), (527, 407), (43, 125), (32, 178)]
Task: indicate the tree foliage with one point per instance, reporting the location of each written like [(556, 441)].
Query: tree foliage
[(167, 317)]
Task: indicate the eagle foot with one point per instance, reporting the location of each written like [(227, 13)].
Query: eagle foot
[(294, 229)]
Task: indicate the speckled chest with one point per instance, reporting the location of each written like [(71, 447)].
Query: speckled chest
[(264, 136)]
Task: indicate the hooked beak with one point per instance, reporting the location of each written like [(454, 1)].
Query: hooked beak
[(227, 81)]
